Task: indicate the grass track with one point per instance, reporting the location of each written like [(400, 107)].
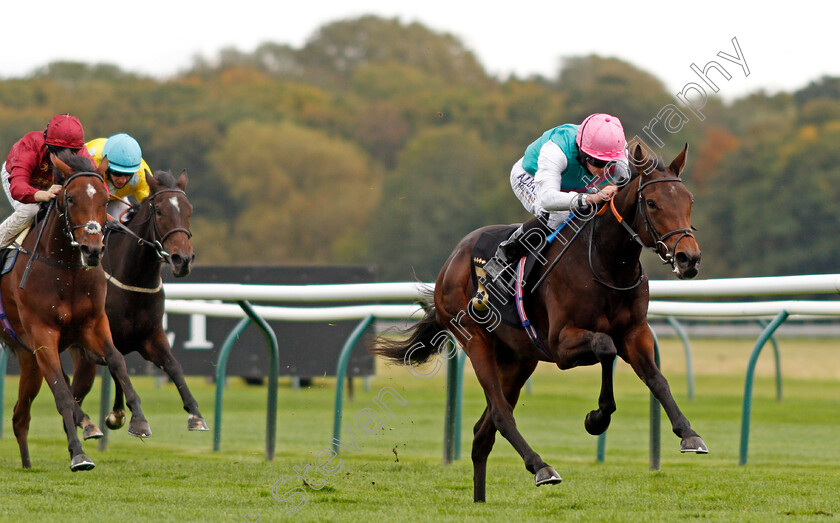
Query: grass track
[(793, 471)]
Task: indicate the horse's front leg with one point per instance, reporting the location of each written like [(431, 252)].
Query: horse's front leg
[(97, 338), (577, 347), (158, 351), (84, 372), (44, 342), (638, 351)]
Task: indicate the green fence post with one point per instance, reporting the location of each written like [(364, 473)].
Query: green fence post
[(273, 376), (104, 406), (778, 360), (459, 407), (450, 416), (748, 383), (655, 418), (221, 370), (689, 367), (4, 359), (341, 371)]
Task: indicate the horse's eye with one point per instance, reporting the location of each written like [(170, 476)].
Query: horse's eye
[(158, 211), (69, 199), (651, 204)]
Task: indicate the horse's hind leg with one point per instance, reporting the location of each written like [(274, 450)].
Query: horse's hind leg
[(157, 351), (638, 347), (500, 413), (513, 377), (597, 421), (28, 387), (116, 418), (84, 371)]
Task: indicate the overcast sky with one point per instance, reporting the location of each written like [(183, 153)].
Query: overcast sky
[(784, 48)]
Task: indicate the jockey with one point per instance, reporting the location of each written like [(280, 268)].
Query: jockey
[(120, 160), (561, 172), (27, 172)]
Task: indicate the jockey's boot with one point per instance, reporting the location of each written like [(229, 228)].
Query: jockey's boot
[(509, 251)]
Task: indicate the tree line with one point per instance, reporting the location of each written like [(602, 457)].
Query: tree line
[(380, 142)]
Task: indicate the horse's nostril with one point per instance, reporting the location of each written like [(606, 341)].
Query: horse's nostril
[(682, 259)]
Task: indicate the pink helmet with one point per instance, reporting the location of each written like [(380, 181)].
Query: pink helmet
[(601, 136)]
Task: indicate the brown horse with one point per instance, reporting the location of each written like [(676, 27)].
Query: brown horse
[(157, 233), (62, 303), (590, 307)]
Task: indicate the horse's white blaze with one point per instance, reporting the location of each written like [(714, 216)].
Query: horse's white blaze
[(91, 190), (174, 201)]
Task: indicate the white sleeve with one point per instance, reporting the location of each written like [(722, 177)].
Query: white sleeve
[(550, 165)]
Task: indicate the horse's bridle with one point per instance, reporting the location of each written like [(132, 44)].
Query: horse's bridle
[(668, 256), (92, 226), (155, 243), (659, 247)]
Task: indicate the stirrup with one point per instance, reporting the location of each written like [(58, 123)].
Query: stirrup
[(495, 267)]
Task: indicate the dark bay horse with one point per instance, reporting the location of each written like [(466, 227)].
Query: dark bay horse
[(590, 308), (157, 233), (62, 304)]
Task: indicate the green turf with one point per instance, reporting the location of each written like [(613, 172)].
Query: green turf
[(396, 473)]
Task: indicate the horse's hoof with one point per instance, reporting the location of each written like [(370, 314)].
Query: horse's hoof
[(547, 476), (92, 432), (115, 420), (596, 422), (139, 429), (81, 462), (196, 423), (693, 444)]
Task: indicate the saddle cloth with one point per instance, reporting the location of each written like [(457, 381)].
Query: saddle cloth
[(500, 294)]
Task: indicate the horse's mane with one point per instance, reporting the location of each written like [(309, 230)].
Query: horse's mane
[(76, 162)]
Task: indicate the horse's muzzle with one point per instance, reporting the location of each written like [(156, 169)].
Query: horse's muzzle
[(91, 255), (687, 264), (181, 264)]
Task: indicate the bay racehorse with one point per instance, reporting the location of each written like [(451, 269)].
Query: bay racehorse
[(590, 307), (158, 232), (61, 303)]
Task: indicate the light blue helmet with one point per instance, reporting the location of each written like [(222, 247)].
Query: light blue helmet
[(123, 153)]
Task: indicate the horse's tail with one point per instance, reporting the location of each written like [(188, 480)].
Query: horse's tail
[(423, 340)]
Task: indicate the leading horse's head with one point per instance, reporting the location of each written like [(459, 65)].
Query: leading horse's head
[(170, 214), (664, 205), (82, 204)]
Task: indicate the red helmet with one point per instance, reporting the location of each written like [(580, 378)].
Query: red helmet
[(65, 131)]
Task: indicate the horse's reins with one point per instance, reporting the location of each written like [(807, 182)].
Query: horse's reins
[(156, 244), (659, 240), (91, 227)]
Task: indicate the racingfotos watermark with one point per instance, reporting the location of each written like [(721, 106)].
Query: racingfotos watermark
[(293, 490), (670, 118)]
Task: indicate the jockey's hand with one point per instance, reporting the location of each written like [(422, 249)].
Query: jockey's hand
[(49, 194), (604, 195)]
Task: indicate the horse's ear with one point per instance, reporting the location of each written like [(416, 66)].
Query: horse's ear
[(61, 166), (641, 160), (679, 162), (152, 181), (182, 180), (103, 167)]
